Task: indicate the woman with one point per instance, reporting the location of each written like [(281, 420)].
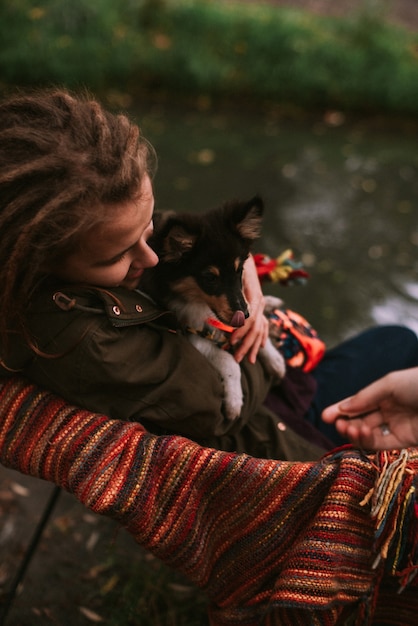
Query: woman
[(76, 208)]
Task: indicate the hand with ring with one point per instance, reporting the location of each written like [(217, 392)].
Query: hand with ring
[(382, 416)]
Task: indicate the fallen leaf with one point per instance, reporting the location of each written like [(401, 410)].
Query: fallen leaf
[(92, 540), (94, 571), (90, 519), (91, 615), (110, 584), (183, 589), (20, 490), (63, 523), (36, 611)]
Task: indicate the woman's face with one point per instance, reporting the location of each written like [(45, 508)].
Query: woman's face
[(115, 253)]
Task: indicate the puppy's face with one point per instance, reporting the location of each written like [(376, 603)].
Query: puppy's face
[(202, 257)]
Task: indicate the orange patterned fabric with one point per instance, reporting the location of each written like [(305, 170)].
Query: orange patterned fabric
[(271, 543)]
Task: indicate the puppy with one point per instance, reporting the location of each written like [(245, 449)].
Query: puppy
[(199, 277)]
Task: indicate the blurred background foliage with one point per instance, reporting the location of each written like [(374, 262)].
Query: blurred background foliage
[(240, 50)]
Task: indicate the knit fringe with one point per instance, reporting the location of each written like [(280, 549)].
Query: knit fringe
[(393, 508)]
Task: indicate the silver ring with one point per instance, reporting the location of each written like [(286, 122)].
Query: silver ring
[(385, 429)]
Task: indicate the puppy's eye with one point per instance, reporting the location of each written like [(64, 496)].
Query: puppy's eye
[(210, 276)]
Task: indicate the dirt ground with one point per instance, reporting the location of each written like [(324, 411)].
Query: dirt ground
[(82, 557)]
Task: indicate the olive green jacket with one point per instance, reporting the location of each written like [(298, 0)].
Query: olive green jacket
[(117, 353)]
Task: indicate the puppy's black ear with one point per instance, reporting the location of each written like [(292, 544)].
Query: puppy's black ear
[(249, 224), (177, 242), (161, 218)]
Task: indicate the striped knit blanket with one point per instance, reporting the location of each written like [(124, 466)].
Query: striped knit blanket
[(270, 542)]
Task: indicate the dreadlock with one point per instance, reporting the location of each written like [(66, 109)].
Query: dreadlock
[(63, 160)]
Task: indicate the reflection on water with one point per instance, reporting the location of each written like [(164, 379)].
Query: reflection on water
[(342, 196), (398, 306)]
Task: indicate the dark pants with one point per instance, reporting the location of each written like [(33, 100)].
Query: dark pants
[(356, 363)]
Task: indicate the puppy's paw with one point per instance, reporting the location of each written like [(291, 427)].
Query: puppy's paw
[(233, 406), (273, 360), (271, 303), (233, 403)]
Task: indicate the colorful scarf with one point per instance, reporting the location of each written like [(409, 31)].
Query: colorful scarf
[(270, 542)]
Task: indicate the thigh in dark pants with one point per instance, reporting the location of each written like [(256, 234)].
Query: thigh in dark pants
[(356, 363)]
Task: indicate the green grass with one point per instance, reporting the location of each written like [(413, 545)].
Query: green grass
[(239, 51)]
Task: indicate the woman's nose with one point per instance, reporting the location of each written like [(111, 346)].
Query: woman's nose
[(153, 258), (144, 256)]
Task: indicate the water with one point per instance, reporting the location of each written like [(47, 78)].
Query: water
[(341, 195)]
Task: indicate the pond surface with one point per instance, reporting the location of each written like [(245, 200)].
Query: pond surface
[(342, 195)]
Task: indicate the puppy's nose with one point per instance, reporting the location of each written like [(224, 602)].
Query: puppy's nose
[(238, 319)]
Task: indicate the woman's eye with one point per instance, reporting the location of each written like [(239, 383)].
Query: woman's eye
[(115, 260)]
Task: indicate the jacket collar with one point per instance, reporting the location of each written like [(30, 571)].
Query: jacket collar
[(123, 307)]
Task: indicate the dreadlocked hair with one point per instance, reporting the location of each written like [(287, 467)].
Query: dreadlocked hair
[(63, 159)]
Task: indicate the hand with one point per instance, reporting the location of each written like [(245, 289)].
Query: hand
[(382, 416), (253, 335)]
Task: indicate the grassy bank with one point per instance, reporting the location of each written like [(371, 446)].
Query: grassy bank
[(231, 50)]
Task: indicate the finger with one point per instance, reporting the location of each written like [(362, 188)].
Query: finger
[(332, 413), (369, 435), (240, 333), (344, 410), (366, 399), (249, 346), (253, 352), (254, 325), (264, 332), (359, 434), (364, 423)]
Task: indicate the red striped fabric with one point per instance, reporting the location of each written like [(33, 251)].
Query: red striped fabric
[(271, 543)]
